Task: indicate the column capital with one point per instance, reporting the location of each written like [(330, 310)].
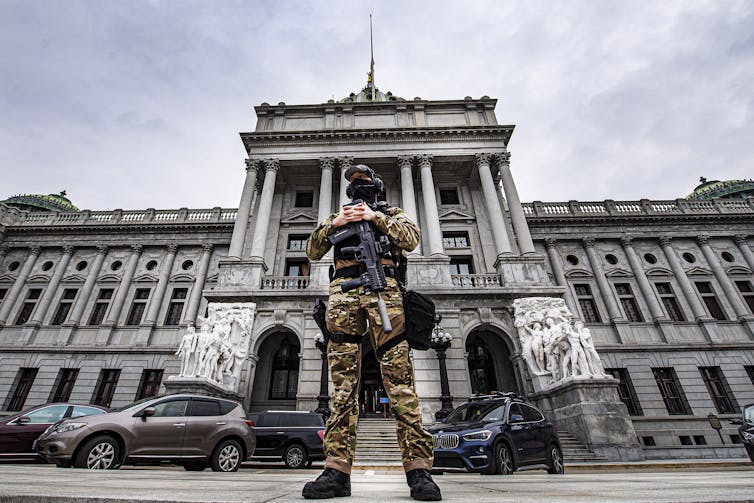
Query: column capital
[(252, 164), (588, 241), (326, 163), (35, 250), (405, 161), (136, 248), (665, 240), (626, 241), (272, 164), (702, 240), (4, 249), (172, 248), (551, 242), (207, 247), (482, 159), (102, 249), (68, 249), (425, 161), (741, 239), (502, 158), (345, 162)]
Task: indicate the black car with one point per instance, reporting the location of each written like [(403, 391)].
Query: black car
[(496, 434), (295, 437), (746, 429)]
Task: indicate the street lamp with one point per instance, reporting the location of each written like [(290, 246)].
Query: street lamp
[(440, 343), (323, 399)]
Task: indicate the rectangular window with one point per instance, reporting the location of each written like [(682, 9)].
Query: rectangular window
[(297, 242), (667, 296), (627, 300), (719, 390), (586, 303), (175, 308), (150, 383), (670, 389), (648, 441), (105, 389), (304, 199), (461, 265), (626, 391), (283, 385), (455, 239), (747, 292), (31, 301), (137, 306), (21, 387), (297, 267), (61, 390), (449, 196), (3, 291), (710, 300), (750, 370), (100, 307), (66, 301)]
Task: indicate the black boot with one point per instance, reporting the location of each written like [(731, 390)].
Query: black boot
[(330, 484), (423, 488)]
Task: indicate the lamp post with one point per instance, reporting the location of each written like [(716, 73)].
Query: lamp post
[(323, 407), (440, 343)]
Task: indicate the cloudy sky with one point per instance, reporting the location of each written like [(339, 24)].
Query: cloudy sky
[(139, 104)]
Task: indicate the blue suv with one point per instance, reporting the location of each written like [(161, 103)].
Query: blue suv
[(496, 434)]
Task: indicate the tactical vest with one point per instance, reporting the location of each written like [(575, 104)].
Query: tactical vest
[(354, 241)]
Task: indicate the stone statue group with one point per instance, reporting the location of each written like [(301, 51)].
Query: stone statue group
[(552, 342)]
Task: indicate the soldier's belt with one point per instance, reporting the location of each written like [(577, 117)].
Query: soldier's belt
[(355, 271)]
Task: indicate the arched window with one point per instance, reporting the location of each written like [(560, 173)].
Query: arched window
[(285, 370), (481, 366)]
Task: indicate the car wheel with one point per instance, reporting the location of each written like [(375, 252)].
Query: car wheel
[(503, 460), (226, 456), (295, 456), (555, 463), (194, 466), (99, 453)]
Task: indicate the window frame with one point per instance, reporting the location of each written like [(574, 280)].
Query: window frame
[(22, 385), (711, 301), (147, 383), (675, 405), (626, 390), (104, 390), (719, 390), (64, 382), (587, 299), (669, 301), (628, 302)]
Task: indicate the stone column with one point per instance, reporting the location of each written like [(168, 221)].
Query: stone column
[(647, 291), (408, 194), (52, 287), (325, 188), (244, 210), (521, 228), (125, 283), (271, 167), (560, 279), (430, 206), (599, 275), (729, 289), (697, 308), (497, 222), (18, 285), (155, 300), (86, 290), (743, 245), (189, 316), (345, 163)]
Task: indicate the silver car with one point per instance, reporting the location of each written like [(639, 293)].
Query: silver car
[(190, 430)]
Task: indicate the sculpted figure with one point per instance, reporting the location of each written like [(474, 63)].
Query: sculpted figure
[(187, 351), (590, 353)]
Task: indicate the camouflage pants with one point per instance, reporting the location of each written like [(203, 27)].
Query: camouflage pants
[(348, 313)]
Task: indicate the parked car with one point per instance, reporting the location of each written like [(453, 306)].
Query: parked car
[(18, 432), (746, 429), (189, 430), (496, 434), (295, 437)]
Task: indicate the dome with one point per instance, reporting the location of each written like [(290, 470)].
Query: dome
[(727, 189), (41, 202)]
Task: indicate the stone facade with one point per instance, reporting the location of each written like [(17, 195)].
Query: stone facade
[(641, 274)]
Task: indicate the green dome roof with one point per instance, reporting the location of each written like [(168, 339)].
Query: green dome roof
[(710, 189), (41, 202)]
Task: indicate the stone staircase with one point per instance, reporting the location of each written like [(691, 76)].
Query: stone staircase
[(576, 452), (376, 443)]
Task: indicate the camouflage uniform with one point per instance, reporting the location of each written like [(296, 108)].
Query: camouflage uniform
[(347, 313)]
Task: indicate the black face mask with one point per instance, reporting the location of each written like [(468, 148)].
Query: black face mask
[(364, 189)]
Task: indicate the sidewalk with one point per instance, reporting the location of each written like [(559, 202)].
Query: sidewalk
[(48, 484)]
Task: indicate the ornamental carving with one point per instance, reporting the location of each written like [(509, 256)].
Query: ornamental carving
[(741, 239), (35, 250), (345, 163), (326, 163), (588, 241), (482, 159), (551, 242), (207, 247), (252, 164), (68, 249), (405, 162), (136, 249), (172, 248), (702, 240), (665, 240), (425, 161), (102, 249), (626, 241), (272, 165), (504, 158)]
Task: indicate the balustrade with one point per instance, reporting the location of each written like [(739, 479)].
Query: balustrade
[(285, 282), (643, 207), (475, 280)]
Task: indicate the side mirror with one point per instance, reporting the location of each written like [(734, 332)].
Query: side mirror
[(737, 422), (149, 411), (23, 420)]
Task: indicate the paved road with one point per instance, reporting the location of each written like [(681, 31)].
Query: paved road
[(46, 483)]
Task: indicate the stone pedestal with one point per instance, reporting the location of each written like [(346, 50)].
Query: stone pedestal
[(319, 274), (591, 411), (429, 272), (200, 386), (526, 270)]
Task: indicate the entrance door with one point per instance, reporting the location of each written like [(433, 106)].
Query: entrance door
[(371, 392)]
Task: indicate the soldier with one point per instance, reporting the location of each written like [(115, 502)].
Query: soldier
[(347, 316)]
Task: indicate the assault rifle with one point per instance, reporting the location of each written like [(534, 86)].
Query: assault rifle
[(367, 254)]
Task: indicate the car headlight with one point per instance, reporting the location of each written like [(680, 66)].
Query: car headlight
[(478, 435), (65, 427), (748, 436)]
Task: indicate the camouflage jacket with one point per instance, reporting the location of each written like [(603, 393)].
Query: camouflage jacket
[(402, 232)]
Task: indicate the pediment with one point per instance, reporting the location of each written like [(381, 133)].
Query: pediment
[(39, 278), (455, 215), (7, 278), (619, 273), (659, 271), (299, 217), (698, 271), (579, 273), (735, 270), (109, 278), (182, 278), (145, 278)]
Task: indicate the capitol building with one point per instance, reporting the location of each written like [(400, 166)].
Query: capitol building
[(94, 304)]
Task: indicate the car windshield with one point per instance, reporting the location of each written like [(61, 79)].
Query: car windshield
[(749, 414), (134, 404), (485, 412)]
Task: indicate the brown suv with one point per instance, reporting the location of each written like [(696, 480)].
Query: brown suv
[(190, 430)]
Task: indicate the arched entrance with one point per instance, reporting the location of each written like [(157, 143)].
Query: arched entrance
[(490, 365), (276, 377), (370, 384)]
